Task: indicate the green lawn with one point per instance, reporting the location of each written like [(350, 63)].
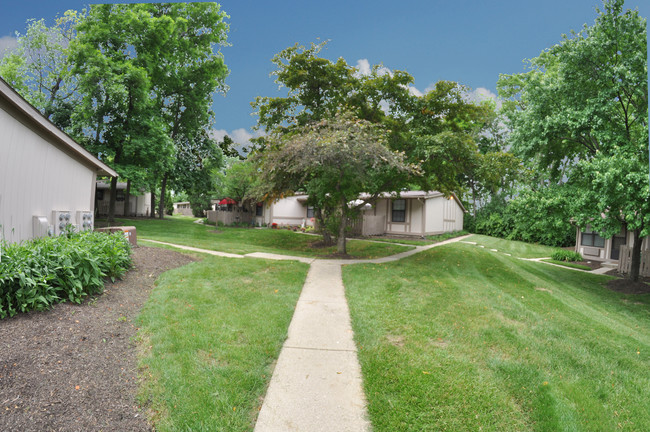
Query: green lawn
[(515, 248), (459, 338), (182, 230), (210, 333), (419, 241)]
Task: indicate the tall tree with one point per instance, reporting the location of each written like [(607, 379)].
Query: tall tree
[(186, 70), (581, 114), (116, 116)]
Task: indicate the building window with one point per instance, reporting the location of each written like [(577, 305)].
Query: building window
[(310, 212), (399, 211), (119, 195), (259, 210), (100, 195), (591, 238)]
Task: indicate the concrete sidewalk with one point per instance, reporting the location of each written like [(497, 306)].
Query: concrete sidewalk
[(316, 385)]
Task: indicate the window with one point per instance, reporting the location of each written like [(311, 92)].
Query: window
[(310, 212), (590, 238), (399, 211), (99, 195), (119, 195), (259, 210)]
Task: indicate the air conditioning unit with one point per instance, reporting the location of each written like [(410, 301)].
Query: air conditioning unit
[(60, 219), (85, 220), (41, 227)]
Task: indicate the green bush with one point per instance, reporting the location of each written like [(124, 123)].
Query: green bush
[(566, 255), (36, 274), (533, 216)]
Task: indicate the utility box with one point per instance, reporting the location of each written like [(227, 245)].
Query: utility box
[(41, 227), (85, 220), (60, 220)]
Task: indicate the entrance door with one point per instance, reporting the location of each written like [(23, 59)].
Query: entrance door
[(617, 241)]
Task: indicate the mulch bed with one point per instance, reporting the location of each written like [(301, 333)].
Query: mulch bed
[(626, 286), (74, 367)]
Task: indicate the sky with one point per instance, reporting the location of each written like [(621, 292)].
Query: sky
[(468, 41)]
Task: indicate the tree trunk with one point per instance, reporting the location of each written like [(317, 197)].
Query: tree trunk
[(635, 265), (111, 202), (161, 203), (153, 202), (127, 198), (340, 240), (327, 236)]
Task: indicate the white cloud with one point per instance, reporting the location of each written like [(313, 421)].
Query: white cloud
[(240, 136), (7, 43), (481, 94), (363, 67)]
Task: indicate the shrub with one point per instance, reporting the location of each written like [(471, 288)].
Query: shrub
[(566, 255), (36, 274)]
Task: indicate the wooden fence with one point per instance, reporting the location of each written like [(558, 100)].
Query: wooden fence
[(625, 261)]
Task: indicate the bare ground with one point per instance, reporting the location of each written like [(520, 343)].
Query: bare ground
[(73, 368)]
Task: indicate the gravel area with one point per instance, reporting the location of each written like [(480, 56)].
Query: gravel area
[(74, 367)]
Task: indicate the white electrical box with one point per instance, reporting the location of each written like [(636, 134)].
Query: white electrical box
[(41, 227), (61, 219), (85, 221)]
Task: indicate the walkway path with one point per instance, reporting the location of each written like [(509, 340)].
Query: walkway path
[(317, 385)]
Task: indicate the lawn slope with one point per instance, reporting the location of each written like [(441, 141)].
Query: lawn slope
[(182, 231), (462, 338), (210, 333)]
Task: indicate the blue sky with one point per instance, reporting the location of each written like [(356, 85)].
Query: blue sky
[(469, 41)]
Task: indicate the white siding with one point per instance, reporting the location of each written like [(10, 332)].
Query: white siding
[(37, 177), (443, 215), (289, 211)]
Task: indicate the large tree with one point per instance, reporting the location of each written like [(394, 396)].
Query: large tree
[(581, 115), (334, 161), (116, 117), (186, 71)]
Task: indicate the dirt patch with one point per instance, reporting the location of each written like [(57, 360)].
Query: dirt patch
[(626, 286), (544, 290), (73, 368), (397, 341)]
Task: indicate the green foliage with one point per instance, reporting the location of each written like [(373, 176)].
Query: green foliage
[(334, 162), (36, 274), (534, 216), (566, 255), (580, 115), (40, 68)]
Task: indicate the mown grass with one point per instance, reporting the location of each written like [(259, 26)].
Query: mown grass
[(420, 242), (569, 264), (515, 248), (182, 230), (459, 338), (209, 334)]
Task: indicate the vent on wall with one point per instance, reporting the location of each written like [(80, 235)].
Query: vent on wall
[(60, 220), (41, 227)]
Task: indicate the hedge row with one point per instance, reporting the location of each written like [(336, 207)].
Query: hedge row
[(36, 274)]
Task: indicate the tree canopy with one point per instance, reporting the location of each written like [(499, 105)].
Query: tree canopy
[(580, 114)]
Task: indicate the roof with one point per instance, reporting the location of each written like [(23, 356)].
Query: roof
[(70, 146), (419, 195)]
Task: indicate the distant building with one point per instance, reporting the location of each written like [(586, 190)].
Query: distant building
[(139, 201)]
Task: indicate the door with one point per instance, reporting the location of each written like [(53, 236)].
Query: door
[(617, 241)]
